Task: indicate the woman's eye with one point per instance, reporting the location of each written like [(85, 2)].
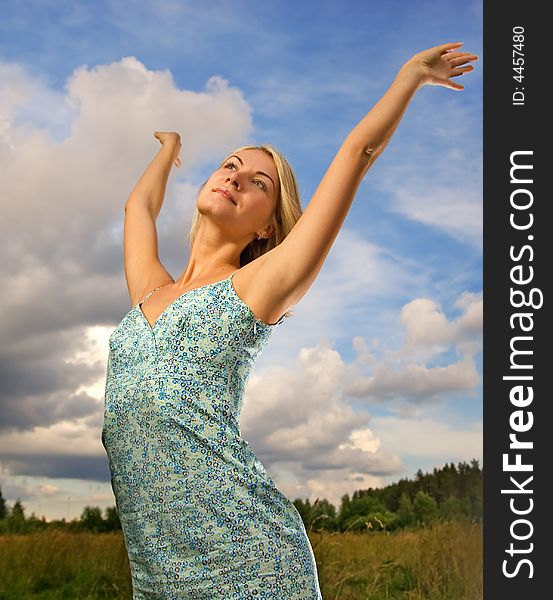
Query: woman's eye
[(260, 184)]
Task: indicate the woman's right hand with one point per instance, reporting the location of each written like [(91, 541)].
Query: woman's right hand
[(170, 139), (437, 65)]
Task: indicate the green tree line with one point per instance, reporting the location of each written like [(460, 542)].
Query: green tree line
[(451, 493), (448, 494)]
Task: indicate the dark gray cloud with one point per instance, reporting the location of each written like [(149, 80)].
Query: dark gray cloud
[(38, 387), (92, 468)]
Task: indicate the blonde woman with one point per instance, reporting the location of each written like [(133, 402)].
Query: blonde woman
[(201, 516)]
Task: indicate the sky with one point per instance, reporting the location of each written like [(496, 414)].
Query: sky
[(379, 371)]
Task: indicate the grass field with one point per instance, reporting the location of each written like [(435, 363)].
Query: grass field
[(442, 562)]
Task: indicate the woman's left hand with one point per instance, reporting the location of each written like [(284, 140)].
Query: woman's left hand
[(438, 64)]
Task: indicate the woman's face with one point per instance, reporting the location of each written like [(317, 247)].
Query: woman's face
[(242, 193)]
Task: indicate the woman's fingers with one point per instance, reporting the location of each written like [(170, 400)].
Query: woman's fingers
[(441, 63), (452, 56), (163, 135), (461, 70), (454, 85), (443, 48), (167, 136), (460, 61), (455, 62)]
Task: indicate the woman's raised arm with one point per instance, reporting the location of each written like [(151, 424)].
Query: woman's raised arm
[(143, 269), (294, 264)]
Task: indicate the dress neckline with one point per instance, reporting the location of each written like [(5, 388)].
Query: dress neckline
[(139, 305), (201, 287)]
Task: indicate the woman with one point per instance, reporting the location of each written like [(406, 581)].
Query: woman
[(201, 516)]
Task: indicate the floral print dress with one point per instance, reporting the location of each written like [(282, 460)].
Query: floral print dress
[(201, 517)]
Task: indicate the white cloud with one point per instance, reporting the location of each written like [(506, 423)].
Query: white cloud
[(456, 210), (417, 383), (428, 438), (28, 105), (64, 438), (362, 439), (302, 428), (436, 176), (63, 198), (403, 374), (330, 484), (427, 326), (78, 185)]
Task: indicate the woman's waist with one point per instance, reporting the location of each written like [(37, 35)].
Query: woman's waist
[(181, 398), (210, 375)]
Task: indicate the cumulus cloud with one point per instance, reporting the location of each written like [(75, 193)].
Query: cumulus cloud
[(403, 435), (300, 424), (417, 383), (403, 374), (427, 327), (63, 197), (330, 484)]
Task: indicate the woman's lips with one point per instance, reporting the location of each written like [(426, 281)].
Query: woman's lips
[(226, 194)]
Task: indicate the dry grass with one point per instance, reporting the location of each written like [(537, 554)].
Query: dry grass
[(443, 562), (439, 563), (58, 564)]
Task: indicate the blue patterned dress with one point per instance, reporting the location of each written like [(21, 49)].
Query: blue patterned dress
[(201, 517)]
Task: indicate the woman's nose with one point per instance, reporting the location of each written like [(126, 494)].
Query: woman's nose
[(232, 179)]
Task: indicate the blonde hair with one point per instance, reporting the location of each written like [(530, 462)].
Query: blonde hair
[(287, 212)]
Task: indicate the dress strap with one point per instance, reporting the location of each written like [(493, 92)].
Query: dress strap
[(256, 321), (148, 295)]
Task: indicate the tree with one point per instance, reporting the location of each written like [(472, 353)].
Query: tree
[(15, 521), (112, 519), (3, 507), (18, 510), (405, 513), (319, 515), (91, 519), (451, 508), (304, 509), (323, 515), (425, 508)]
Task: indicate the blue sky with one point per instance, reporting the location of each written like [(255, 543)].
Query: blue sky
[(390, 332)]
